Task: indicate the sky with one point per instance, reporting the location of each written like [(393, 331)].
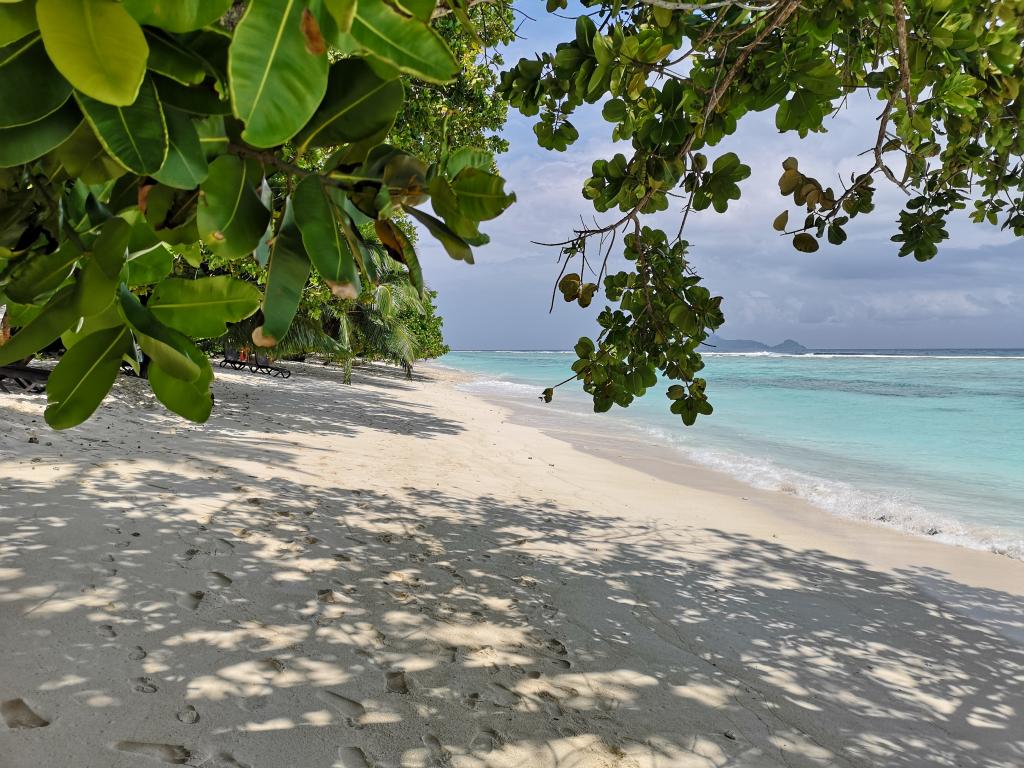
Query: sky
[(858, 295)]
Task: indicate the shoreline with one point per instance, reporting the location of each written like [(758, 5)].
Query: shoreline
[(796, 486), (879, 544), (397, 573)]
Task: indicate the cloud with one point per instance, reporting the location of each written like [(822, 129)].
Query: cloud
[(857, 295)]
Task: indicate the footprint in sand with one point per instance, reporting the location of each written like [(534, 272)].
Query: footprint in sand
[(396, 682), (144, 685), (485, 741), (218, 579), (223, 547), (561, 663), (351, 757), (437, 751), (351, 710), (17, 714), (556, 647), (188, 715), (138, 653), (191, 600), (227, 760), (106, 630), (174, 754), (502, 695)]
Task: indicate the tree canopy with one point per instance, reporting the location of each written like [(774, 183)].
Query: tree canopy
[(289, 134)]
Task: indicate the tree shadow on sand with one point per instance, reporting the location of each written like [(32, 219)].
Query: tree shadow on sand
[(432, 628)]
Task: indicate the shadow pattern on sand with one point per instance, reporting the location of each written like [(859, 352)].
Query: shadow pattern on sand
[(393, 633)]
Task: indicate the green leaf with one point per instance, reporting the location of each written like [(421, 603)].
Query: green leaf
[(83, 377), (41, 273), (96, 45), (358, 104), (276, 83), (134, 135), (26, 143), (101, 272), (30, 87), (202, 308), (17, 20), (197, 99), (108, 318), (481, 195), (177, 15), (405, 42), (468, 157), (84, 158), (150, 266), (172, 59), (167, 347), (805, 243), (316, 216), (192, 400), (456, 247), (231, 217), (289, 270), (185, 166), (59, 314)]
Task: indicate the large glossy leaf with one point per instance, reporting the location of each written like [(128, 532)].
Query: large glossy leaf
[(481, 195), (25, 143), (83, 377), (276, 83), (454, 245), (101, 271), (185, 166), (149, 267), (83, 157), (17, 20), (177, 15), (192, 400), (289, 270), (166, 346), (358, 104), (96, 45), (170, 58), (134, 135), (108, 318), (41, 273), (59, 314), (317, 218), (231, 217), (30, 87), (405, 42), (197, 99), (202, 308)]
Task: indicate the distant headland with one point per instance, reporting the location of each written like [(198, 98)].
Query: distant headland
[(788, 347)]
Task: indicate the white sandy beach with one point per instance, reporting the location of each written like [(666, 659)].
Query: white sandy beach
[(401, 574)]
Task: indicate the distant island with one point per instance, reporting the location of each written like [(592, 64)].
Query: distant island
[(788, 347)]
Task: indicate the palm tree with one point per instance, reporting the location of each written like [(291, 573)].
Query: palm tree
[(371, 327)]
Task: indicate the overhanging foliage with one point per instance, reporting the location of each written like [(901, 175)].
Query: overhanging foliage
[(225, 135)]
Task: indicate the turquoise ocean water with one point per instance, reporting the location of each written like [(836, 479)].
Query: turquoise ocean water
[(928, 441)]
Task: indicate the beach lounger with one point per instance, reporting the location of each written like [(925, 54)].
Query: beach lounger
[(254, 363), (27, 379)]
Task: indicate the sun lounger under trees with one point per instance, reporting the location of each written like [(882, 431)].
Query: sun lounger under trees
[(261, 134)]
